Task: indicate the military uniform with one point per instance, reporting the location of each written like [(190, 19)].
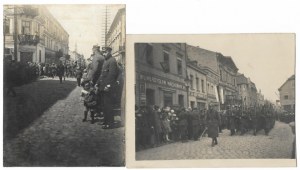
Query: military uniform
[(106, 83)]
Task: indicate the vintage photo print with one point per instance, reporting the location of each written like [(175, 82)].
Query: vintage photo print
[(64, 71), (212, 100)]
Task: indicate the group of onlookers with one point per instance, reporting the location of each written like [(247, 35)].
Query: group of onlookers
[(156, 126), (17, 74)]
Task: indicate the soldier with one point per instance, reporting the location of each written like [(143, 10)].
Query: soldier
[(60, 71), (231, 120), (202, 122), (195, 124), (95, 69), (213, 120), (106, 83)]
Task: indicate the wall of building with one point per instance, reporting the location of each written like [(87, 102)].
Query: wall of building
[(287, 95), (151, 75), (197, 91)]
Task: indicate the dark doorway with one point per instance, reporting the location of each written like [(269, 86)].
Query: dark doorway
[(26, 57), (150, 97)]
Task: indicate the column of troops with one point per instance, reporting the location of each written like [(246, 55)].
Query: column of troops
[(157, 126)]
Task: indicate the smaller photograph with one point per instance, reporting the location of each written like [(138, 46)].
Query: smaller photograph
[(215, 97), (64, 70)]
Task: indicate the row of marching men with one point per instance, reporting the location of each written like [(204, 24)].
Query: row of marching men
[(157, 126)]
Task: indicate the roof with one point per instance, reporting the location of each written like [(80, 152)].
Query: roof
[(227, 60), (241, 79), (289, 79), (203, 57)]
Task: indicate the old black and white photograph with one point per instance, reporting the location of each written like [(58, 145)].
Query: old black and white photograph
[(226, 96), (63, 95)]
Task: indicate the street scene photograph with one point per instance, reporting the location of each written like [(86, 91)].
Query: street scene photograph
[(63, 95), (218, 96)]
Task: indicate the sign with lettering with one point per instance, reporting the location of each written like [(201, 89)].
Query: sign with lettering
[(198, 95), (161, 81)]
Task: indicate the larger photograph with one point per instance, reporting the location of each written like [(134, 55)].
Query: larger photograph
[(207, 97), (64, 70)]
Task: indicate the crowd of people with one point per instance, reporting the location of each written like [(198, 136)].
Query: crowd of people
[(17, 74), (156, 126)]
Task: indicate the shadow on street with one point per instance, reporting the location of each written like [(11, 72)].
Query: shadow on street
[(31, 102)]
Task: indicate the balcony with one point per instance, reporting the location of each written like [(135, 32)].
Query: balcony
[(25, 39)]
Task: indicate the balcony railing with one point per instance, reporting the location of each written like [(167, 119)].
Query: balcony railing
[(25, 39)]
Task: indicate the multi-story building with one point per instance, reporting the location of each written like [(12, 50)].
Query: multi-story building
[(161, 74), (287, 94), (36, 34), (197, 85), (207, 60), (260, 98), (227, 85), (247, 91), (115, 37)]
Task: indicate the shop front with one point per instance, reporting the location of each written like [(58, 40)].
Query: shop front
[(156, 90)]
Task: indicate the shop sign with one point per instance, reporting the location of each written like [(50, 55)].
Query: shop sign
[(160, 81)]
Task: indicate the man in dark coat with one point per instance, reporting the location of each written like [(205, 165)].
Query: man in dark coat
[(213, 121), (106, 83), (60, 71)]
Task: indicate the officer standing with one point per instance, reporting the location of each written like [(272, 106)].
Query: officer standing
[(95, 70), (106, 83)]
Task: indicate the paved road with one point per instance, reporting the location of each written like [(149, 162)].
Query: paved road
[(277, 145), (60, 138)]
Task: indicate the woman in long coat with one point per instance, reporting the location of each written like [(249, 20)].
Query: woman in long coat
[(213, 120)]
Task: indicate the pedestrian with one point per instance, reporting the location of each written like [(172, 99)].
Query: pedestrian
[(183, 124), (105, 83), (90, 101), (213, 121), (97, 60), (60, 71), (78, 75)]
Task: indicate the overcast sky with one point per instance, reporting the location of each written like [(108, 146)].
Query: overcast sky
[(84, 23), (268, 59)]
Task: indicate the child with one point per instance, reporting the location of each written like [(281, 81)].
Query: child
[(89, 100)]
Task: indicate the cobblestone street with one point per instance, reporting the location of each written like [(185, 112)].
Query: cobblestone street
[(277, 145), (58, 137)]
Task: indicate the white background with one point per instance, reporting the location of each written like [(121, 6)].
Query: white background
[(200, 17)]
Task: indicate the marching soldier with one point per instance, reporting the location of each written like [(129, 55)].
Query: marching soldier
[(231, 120), (213, 120)]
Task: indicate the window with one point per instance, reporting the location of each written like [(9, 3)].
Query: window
[(208, 88), (6, 28), (168, 99), (149, 54), (25, 27), (192, 104), (197, 84), (166, 63), (192, 81), (40, 56), (179, 65), (286, 97), (202, 86), (293, 84), (150, 97), (180, 100)]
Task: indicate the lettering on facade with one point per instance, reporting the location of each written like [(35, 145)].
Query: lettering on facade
[(198, 95), (161, 81)]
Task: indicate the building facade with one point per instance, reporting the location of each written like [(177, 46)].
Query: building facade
[(38, 35), (287, 94), (207, 60), (197, 91), (161, 74), (228, 91), (247, 91), (116, 36)]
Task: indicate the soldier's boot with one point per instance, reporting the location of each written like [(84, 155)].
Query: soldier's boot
[(85, 116), (93, 117)]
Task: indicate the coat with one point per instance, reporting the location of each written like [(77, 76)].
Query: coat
[(95, 69), (60, 70), (213, 121), (109, 73)]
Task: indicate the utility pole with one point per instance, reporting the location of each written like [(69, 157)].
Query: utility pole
[(106, 20), (15, 34)]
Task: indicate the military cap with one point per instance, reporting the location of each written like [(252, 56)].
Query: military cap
[(96, 46)]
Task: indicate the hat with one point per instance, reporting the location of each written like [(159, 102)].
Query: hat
[(96, 46), (108, 49)]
